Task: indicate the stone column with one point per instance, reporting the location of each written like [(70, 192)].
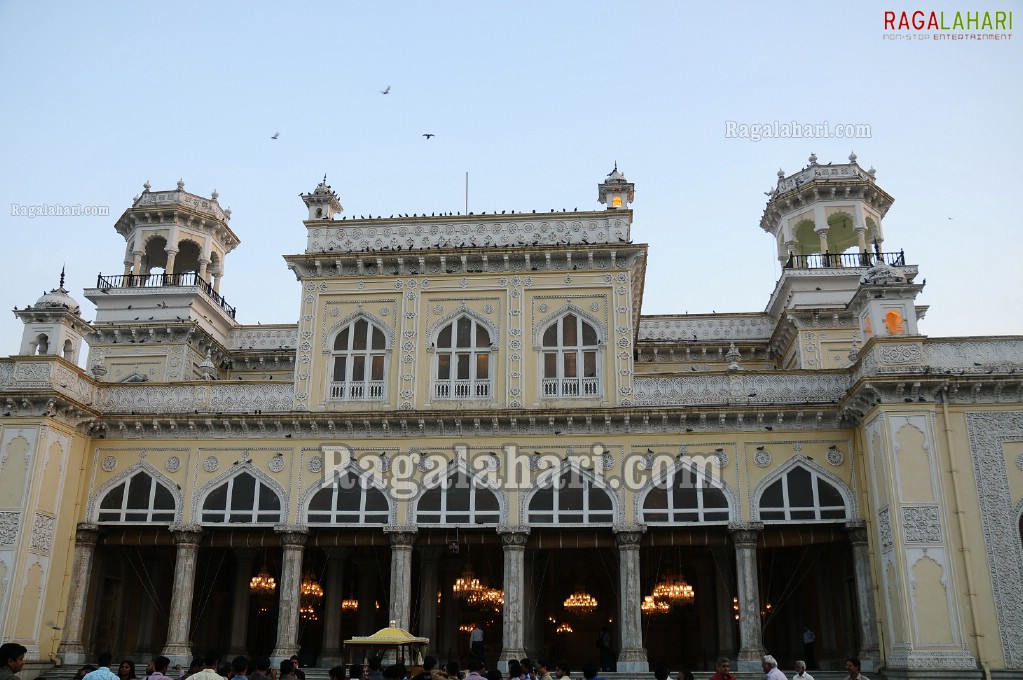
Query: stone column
[(402, 538), (723, 589), (136, 270), (632, 657), (366, 570), (331, 654), (293, 540), (186, 538), (822, 234), (169, 269), (751, 649), (447, 646), (430, 557), (240, 606), (870, 654), (203, 263), (513, 644), (71, 649)]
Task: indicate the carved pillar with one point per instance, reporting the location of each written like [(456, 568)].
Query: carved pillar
[(169, 270), (186, 538), (203, 263), (71, 649), (366, 571), (632, 657), (870, 654), (293, 542), (513, 644), (822, 234), (402, 539), (751, 649), (331, 654), (430, 557), (861, 238), (723, 589), (136, 269), (240, 606)]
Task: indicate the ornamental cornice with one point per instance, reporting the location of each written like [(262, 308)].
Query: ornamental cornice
[(764, 389), (86, 533), (186, 534), (628, 536), (292, 536), (745, 534), (401, 535), (513, 536), (748, 327)]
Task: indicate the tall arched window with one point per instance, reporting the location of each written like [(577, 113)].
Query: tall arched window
[(463, 350), (351, 500), (571, 350), (359, 365), (570, 498), (140, 498), (242, 499), (801, 494), (684, 496), (458, 499)]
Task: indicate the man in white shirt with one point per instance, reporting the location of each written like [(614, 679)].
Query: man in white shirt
[(809, 637), (476, 642), (852, 664), (770, 666), (801, 671)]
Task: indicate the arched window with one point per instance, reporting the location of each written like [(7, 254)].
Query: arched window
[(684, 496), (570, 498), (359, 364), (801, 494), (351, 500), (458, 499), (140, 498), (570, 358), (242, 499), (463, 350)]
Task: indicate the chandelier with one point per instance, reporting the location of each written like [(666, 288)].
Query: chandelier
[(654, 607), (349, 604), (310, 590), (307, 613), (674, 591), (486, 597), (467, 586), (263, 584), (581, 602), (563, 628)]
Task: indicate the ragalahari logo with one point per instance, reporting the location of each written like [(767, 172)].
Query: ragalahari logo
[(941, 25)]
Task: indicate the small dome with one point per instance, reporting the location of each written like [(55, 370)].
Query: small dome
[(58, 298)]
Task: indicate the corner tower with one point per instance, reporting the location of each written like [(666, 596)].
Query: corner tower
[(53, 325)]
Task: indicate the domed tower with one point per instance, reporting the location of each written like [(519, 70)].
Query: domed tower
[(615, 191), (322, 202), (827, 224), (53, 325)]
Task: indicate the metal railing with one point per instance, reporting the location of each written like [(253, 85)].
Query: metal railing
[(571, 387), (158, 280), (371, 390), (846, 260), (462, 389)]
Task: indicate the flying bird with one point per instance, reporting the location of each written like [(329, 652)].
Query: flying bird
[(386, 90), (275, 135), (429, 134)]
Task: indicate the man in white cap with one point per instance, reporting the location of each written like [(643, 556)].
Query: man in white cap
[(771, 672)]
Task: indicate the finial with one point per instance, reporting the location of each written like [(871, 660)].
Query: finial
[(181, 184), (324, 178), (214, 195), (147, 186), (227, 213), (61, 286), (852, 157), (872, 172), (616, 166), (781, 174), (813, 159)]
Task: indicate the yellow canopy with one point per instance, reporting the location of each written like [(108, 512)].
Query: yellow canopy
[(392, 635)]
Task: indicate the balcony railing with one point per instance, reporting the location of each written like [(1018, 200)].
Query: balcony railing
[(462, 389), (571, 387), (157, 280), (846, 260), (371, 390)]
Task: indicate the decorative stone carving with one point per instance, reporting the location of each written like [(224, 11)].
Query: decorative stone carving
[(109, 464), (745, 534), (1019, 462), (921, 524), (820, 387), (629, 536), (276, 463), (316, 464), (745, 327), (173, 464), (900, 354), (762, 458), (210, 464), (722, 459), (401, 535), (43, 526), (835, 456), (515, 537), (884, 527), (9, 522)]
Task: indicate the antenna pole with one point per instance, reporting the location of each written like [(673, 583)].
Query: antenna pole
[(466, 192)]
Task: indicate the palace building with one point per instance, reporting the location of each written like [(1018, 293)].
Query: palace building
[(472, 422)]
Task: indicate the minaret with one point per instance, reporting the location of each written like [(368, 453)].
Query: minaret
[(53, 325), (615, 191), (322, 202)]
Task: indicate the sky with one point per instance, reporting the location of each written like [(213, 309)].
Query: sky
[(536, 101)]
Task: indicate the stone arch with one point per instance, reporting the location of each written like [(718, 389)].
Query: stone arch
[(97, 496), (913, 460), (42, 343), (187, 259), (200, 498), (154, 253), (437, 326), (548, 478), (814, 469), (805, 237), (842, 232), (484, 479), (327, 342), (569, 308), (14, 461), (709, 480), (930, 601), (68, 351), (352, 469)]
